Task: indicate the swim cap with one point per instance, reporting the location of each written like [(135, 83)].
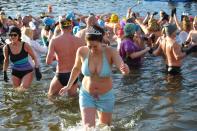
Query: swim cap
[(101, 23), (114, 18), (76, 29), (129, 29), (48, 21), (70, 15), (15, 30), (169, 29)]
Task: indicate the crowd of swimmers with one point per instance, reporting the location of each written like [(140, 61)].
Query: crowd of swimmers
[(81, 44)]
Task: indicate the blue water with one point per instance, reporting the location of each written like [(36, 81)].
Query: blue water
[(146, 100)]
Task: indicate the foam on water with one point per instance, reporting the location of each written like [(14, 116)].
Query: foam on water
[(79, 127)]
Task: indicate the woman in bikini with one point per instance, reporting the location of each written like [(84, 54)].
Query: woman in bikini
[(95, 61)]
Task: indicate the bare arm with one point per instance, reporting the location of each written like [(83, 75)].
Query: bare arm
[(139, 53), (51, 53), (143, 27), (158, 51), (189, 37), (177, 22), (117, 60), (6, 58), (76, 69)]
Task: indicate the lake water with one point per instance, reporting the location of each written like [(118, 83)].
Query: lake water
[(146, 100)]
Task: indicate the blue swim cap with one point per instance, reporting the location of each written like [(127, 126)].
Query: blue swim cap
[(48, 21), (70, 15), (101, 23), (75, 29)]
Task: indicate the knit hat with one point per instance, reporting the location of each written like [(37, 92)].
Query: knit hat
[(129, 29)]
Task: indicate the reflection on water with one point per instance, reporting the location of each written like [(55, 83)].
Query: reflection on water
[(146, 100)]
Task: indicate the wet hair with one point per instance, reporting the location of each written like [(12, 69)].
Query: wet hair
[(95, 33)]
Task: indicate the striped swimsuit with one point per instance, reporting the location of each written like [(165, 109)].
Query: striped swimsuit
[(20, 63)]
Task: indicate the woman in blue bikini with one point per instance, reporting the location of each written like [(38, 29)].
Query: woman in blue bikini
[(96, 94)]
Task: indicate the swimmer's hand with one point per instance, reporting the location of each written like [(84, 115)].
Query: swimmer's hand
[(63, 90), (5, 76), (38, 74), (124, 68)]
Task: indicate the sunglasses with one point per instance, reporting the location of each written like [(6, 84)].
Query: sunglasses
[(13, 35)]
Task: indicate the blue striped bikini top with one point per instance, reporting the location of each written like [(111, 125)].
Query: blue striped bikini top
[(105, 71)]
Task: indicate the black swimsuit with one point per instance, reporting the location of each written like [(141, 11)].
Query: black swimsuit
[(63, 78), (173, 70)]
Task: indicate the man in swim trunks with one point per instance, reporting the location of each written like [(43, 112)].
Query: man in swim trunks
[(172, 50), (64, 47)]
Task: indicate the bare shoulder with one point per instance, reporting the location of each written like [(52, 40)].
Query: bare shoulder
[(83, 50)]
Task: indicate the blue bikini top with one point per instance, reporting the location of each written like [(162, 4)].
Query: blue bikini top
[(105, 71)]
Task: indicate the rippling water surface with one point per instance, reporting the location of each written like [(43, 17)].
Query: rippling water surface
[(146, 100)]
